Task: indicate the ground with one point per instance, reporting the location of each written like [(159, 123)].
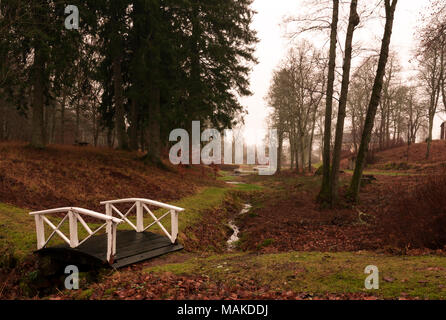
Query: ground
[(290, 248)]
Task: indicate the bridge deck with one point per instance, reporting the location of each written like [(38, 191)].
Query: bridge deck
[(131, 247)]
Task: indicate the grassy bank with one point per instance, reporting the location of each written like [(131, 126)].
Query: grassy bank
[(320, 273), (17, 227)]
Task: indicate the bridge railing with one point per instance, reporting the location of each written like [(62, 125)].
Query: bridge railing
[(74, 215), (141, 206)]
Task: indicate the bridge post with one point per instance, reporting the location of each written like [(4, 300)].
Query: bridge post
[(108, 212), (111, 234), (40, 231), (174, 225), (111, 241), (74, 238), (139, 217)]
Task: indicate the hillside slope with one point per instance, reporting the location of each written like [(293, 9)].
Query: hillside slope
[(74, 176), (417, 153)]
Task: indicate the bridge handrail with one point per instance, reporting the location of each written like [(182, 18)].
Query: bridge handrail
[(141, 206), (145, 201), (74, 215), (82, 211)]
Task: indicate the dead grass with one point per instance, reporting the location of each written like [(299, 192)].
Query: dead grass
[(417, 218), (417, 154), (61, 176)]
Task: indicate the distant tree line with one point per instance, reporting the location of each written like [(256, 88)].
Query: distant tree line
[(378, 105), (326, 17), (133, 71)]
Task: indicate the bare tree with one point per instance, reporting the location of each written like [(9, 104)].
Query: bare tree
[(325, 189), (295, 94), (359, 96), (432, 64), (334, 178), (390, 7)]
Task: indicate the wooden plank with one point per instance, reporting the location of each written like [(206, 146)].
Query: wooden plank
[(131, 247), (137, 249), (120, 263)]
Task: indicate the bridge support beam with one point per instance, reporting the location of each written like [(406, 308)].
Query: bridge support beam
[(74, 238), (139, 217), (174, 225), (40, 232), (111, 241)]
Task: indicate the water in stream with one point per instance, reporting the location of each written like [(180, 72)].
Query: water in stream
[(235, 236)]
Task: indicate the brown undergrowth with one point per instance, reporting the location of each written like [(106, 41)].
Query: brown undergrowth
[(396, 214), (416, 219), (288, 218), (60, 176)]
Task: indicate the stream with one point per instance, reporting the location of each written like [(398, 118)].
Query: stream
[(236, 231)]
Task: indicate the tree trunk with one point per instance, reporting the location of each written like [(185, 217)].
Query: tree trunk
[(435, 97), (154, 127), (334, 181), (38, 135), (95, 125), (46, 122), (110, 139), (62, 119), (302, 153), (153, 132), (119, 104), (53, 122), (133, 129), (310, 150), (2, 116), (354, 132), (78, 122), (296, 153), (291, 153), (325, 190), (429, 138), (280, 151), (374, 101)]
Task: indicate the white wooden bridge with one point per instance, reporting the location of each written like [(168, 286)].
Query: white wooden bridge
[(118, 248)]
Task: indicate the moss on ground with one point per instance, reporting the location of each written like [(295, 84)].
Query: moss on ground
[(386, 173), (321, 273), (17, 230)]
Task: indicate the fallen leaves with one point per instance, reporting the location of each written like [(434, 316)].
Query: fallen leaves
[(389, 279), (173, 287)]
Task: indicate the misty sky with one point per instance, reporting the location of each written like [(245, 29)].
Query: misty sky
[(273, 46)]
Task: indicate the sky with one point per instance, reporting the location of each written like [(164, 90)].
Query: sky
[(273, 45)]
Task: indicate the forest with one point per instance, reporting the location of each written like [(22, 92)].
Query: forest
[(134, 71), (222, 150)]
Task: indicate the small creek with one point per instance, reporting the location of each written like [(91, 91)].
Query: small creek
[(236, 231)]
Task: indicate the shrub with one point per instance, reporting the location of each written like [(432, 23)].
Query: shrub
[(397, 166), (370, 158), (417, 218), (8, 259), (265, 243), (319, 171)]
